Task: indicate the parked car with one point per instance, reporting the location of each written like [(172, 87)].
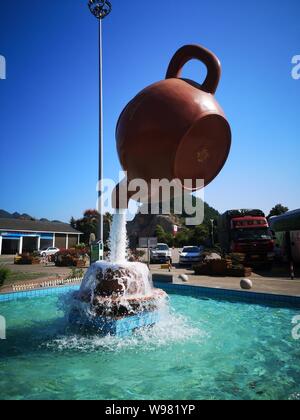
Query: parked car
[(191, 255), (161, 254), (45, 252)]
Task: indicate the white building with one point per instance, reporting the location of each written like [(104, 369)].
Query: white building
[(18, 236)]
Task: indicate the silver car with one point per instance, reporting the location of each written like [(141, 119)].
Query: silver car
[(191, 255), (45, 252), (160, 254)]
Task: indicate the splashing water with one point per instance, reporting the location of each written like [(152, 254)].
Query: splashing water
[(116, 288), (116, 276), (118, 238), (171, 329)]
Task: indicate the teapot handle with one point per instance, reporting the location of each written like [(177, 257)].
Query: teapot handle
[(190, 52)]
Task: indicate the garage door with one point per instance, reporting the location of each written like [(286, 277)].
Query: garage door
[(10, 246)]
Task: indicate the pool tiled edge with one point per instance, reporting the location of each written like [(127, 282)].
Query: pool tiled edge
[(229, 294), (6, 297), (182, 289)]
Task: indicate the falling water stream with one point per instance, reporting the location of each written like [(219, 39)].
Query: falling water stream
[(118, 242)]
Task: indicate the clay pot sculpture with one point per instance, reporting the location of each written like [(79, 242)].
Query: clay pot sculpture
[(175, 129)]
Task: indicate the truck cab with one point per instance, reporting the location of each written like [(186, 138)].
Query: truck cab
[(248, 232)]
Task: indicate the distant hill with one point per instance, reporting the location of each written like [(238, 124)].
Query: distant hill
[(209, 212), (6, 215)]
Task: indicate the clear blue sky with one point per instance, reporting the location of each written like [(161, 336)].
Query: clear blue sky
[(49, 102)]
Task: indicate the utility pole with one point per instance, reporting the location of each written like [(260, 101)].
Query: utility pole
[(100, 9), (212, 232)]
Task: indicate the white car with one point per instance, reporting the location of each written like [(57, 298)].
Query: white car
[(160, 254), (191, 255), (45, 252)]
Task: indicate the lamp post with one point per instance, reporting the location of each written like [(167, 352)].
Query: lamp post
[(212, 232), (100, 9)]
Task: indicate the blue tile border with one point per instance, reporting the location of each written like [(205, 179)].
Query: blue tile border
[(181, 289), (7, 297), (266, 299)]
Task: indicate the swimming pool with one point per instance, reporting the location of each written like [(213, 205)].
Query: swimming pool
[(204, 349)]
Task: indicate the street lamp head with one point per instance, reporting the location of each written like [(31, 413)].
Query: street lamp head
[(100, 8)]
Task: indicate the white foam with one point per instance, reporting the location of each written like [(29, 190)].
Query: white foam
[(118, 241), (139, 270), (172, 329)]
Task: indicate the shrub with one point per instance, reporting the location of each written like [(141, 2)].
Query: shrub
[(4, 274), (136, 255), (81, 246), (70, 257), (27, 259), (76, 273)]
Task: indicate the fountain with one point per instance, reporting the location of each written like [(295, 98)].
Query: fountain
[(173, 129), (116, 296)]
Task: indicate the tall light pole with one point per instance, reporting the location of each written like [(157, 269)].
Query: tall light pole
[(212, 221), (100, 9)]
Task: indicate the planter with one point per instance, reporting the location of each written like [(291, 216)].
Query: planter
[(81, 264)]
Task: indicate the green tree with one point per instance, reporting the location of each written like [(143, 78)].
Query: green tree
[(169, 239), (200, 235), (73, 223), (161, 234), (89, 225), (183, 238), (278, 210)]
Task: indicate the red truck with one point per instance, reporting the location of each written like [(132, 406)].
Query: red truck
[(247, 232)]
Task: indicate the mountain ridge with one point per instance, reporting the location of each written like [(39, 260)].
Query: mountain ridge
[(24, 216)]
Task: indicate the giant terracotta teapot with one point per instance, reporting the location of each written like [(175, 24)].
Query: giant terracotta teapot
[(175, 129)]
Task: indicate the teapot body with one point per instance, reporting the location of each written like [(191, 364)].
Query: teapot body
[(175, 129)]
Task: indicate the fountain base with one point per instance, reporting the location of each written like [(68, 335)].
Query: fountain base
[(117, 299), (119, 327)]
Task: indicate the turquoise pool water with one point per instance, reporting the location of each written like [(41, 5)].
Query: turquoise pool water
[(205, 349)]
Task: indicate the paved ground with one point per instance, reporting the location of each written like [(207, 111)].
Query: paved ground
[(31, 273), (276, 285), (49, 270), (277, 281)]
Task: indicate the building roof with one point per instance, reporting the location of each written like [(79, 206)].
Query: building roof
[(36, 226)]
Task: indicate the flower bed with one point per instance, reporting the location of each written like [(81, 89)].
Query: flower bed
[(27, 259), (74, 257)]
